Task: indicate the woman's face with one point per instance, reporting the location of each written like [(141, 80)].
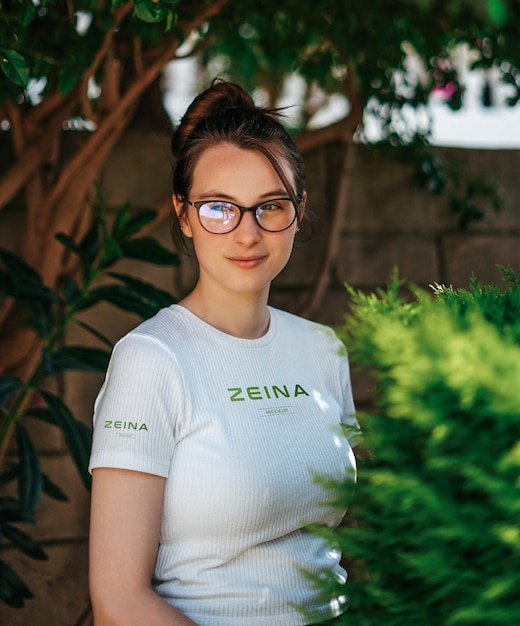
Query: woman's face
[(248, 258)]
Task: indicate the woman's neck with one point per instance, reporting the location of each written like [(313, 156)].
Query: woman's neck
[(240, 315)]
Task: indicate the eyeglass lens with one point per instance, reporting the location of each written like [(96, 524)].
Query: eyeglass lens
[(222, 217)]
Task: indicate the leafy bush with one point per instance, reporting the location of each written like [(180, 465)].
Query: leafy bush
[(436, 534), (49, 313)]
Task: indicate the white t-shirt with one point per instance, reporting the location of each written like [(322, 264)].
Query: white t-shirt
[(240, 428)]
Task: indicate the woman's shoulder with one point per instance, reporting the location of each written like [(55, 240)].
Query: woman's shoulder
[(304, 328), (164, 330)]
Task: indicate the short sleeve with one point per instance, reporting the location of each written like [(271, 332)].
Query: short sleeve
[(140, 410)]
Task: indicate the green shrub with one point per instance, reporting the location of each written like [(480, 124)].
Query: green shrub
[(436, 534)]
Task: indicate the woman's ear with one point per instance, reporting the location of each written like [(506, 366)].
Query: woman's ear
[(182, 214), (304, 201), (302, 208)]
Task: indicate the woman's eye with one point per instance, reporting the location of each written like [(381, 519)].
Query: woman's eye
[(219, 208), (272, 206)]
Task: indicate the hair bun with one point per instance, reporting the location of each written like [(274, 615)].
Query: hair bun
[(222, 93), (219, 96)]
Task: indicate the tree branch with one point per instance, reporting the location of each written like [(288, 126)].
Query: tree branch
[(34, 154), (47, 107), (17, 127), (17, 175), (119, 14), (110, 86), (75, 167), (332, 249), (138, 56), (343, 130)]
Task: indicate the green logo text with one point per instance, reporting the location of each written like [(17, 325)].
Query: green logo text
[(125, 425), (240, 394)]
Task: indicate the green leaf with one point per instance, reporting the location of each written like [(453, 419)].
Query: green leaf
[(9, 385), (145, 13), (111, 253), (71, 292), (170, 18), (91, 245), (9, 509), (76, 248), (95, 333), (121, 297), (30, 482), (78, 437), (149, 249), (77, 358), (13, 590), (66, 81), (118, 228), (43, 318), (23, 282), (126, 225), (15, 67), (28, 11), (23, 542), (497, 11), (9, 474), (53, 491), (151, 12), (68, 242), (44, 415), (158, 298)]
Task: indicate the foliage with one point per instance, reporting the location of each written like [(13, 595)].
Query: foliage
[(335, 41), (57, 41), (436, 538), (387, 61), (50, 313), (341, 45), (318, 38)]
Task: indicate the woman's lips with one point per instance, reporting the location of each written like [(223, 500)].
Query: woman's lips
[(247, 262)]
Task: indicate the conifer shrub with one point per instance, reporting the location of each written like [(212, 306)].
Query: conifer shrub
[(435, 539)]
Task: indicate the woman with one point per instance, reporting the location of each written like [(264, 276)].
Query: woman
[(217, 414)]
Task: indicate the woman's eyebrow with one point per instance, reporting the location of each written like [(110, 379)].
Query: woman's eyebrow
[(277, 193), (220, 195)]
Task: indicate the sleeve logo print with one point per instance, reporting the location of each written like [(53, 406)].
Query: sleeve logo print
[(118, 425)]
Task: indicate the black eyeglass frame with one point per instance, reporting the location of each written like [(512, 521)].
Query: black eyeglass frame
[(244, 209)]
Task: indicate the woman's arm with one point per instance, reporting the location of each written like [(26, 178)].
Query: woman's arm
[(125, 520)]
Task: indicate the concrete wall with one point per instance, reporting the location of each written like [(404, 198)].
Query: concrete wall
[(386, 221)]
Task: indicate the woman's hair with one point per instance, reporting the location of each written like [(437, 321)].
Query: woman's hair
[(226, 113)]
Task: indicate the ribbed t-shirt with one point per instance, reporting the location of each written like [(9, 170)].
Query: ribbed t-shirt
[(240, 429)]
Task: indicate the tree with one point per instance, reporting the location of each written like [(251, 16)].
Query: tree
[(123, 51), (93, 61)]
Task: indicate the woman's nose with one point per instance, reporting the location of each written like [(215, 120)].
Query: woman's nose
[(248, 230)]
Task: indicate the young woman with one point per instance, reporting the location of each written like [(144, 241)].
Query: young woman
[(218, 414)]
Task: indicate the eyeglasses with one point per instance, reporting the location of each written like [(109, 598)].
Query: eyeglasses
[(220, 216)]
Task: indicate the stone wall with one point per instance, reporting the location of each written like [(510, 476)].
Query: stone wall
[(386, 221)]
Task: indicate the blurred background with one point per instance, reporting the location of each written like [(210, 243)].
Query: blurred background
[(406, 114)]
